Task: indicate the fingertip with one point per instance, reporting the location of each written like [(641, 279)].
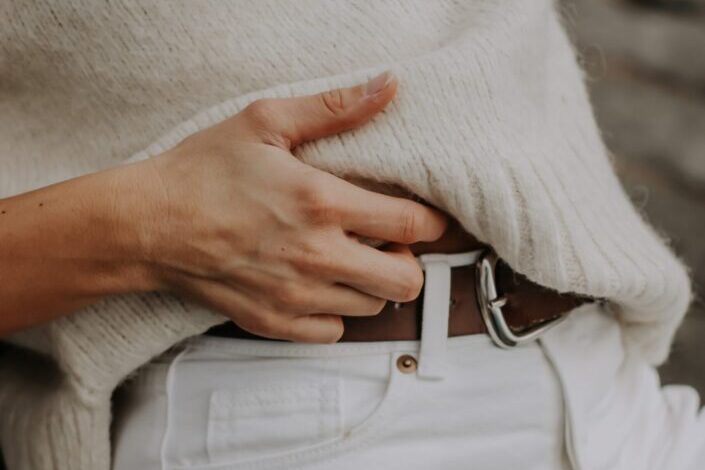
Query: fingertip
[(442, 222), (377, 84), (434, 225), (335, 327), (380, 90), (318, 328)]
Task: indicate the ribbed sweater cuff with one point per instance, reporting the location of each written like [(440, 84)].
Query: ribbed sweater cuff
[(99, 346)]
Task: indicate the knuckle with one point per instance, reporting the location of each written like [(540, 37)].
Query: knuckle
[(408, 225), (261, 113), (301, 258), (334, 101), (291, 297), (317, 201), (316, 262)]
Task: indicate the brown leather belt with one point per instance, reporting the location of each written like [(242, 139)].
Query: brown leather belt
[(527, 304)]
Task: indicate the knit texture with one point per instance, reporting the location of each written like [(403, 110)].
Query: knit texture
[(491, 123)]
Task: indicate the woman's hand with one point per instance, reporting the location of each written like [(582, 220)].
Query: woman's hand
[(229, 218), (236, 222)]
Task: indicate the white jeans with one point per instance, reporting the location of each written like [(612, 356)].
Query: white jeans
[(236, 404), (572, 400)]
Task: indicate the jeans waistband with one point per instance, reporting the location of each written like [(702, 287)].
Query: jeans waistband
[(264, 348)]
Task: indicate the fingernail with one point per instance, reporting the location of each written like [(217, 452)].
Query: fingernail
[(378, 83)]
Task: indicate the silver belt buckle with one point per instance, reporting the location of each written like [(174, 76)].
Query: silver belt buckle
[(491, 308)]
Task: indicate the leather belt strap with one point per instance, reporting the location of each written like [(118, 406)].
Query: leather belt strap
[(527, 304)]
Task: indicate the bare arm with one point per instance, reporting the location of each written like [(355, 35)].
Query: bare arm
[(229, 218), (67, 245)]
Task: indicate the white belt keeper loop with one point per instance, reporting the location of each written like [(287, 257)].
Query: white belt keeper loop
[(436, 310)]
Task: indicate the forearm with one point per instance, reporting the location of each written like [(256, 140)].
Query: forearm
[(67, 245)]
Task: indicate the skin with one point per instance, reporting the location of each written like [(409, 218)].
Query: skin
[(228, 218)]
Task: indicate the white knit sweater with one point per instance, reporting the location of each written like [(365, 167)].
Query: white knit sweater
[(491, 123)]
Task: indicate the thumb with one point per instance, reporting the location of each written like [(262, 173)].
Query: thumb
[(288, 122)]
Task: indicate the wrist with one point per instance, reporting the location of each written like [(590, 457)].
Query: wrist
[(130, 211)]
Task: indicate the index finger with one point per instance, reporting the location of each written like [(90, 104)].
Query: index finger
[(389, 218)]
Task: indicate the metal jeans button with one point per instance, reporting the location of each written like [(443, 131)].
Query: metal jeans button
[(406, 364)]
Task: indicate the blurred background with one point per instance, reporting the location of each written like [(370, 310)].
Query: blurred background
[(645, 60)]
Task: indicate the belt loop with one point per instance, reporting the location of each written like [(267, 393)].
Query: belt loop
[(434, 320), (170, 385)]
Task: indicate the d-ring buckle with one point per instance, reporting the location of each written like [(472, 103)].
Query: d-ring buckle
[(491, 308)]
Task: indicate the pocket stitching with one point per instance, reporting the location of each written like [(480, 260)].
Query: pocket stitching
[(358, 437), (227, 406)]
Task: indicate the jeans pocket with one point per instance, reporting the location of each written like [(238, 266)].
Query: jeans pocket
[(282, 412), (270, 419)]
